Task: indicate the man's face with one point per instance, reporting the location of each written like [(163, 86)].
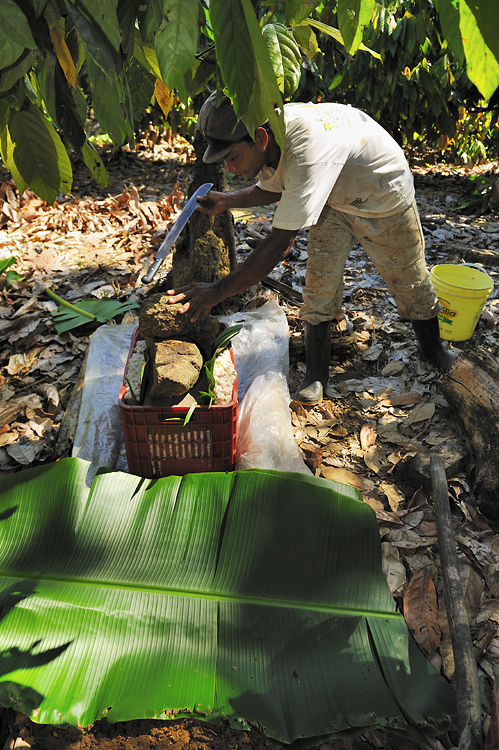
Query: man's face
[(246, 159)]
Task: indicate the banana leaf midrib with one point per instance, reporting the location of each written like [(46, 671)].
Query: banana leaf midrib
[(214, 596)]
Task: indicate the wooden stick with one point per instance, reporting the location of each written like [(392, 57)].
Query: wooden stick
[(469, 718)]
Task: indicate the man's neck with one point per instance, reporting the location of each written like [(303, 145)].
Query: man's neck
[(273, 152)]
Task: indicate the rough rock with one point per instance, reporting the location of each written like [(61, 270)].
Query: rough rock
[(176, 368), (159, 319)]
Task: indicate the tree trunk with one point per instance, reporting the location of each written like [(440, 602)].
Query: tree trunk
[(206, 249), (471, 387)]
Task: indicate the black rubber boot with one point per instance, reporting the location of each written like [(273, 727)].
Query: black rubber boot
[(428, 334), (317, 355)]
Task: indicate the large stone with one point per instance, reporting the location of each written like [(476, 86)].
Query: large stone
[(175, 368), (159, 319)]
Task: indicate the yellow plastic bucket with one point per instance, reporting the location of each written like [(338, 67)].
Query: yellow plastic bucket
[(462, 290)]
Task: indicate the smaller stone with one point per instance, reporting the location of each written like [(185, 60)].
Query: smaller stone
[(175, 368)]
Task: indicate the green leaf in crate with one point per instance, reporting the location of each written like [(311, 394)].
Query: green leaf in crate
[(254, 597), (206, 398)]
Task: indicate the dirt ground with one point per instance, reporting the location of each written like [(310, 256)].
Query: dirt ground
[(111, 250), (181, 734)]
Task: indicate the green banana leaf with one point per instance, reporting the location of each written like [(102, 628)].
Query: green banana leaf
[(255, 597), (70, 316)]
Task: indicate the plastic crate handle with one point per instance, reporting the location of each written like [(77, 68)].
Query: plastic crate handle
[(164, 419)]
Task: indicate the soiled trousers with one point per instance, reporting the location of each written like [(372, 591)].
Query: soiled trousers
[(395, 244)]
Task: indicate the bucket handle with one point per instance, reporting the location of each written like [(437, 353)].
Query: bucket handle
[(474, 265), (479, 268)]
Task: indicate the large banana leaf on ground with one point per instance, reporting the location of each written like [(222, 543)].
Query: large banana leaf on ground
[(255, 597)]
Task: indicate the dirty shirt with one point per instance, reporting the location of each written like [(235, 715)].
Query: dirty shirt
[(338, 156)]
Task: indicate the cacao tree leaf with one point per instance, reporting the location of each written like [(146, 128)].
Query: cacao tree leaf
[(306, 39), (95, 164), (146, 55), (410, 37), (482, 62), (335, 33), (297, 10), (203, 70), (9, 52), (97, 24), (235, 55), (266, 95), (59, 100), (126, 14), (111, 103), (486, 15), (7, 153), (164, 97), (141, 85), (40, 7), (353, 15), (4, 115), (51, 11), (14, 26), (245, 64), (471, 29), (39, 154), (285, 57), (175, 42), (150, 20), (11, 74), (63, 55)]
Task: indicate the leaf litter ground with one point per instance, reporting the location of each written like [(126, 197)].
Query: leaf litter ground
[(383, 418)]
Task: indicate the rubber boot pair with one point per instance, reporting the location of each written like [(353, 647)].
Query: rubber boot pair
[(428, 335), (317, 355)]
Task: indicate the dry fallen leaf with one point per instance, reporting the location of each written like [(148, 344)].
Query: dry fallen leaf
[(393, 568), (420, 611), (421, 413), (375, 459), (473, 589), (367, 436), (392, 368), (396, 499), (25, 452), (313, 455), (343, 476), (404, 399), (447, 654)]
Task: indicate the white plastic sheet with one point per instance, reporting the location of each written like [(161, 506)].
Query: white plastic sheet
[(265, 438), (261, 352), (99, 434)]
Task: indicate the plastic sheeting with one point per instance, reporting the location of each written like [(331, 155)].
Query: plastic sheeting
[(265, 438), (99, 434), (261, 352)]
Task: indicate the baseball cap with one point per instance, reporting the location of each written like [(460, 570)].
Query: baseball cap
[(220, 127)]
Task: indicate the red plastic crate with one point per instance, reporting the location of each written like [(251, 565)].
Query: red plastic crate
[(157, 447)]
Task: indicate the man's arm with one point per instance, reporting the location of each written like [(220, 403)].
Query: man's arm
[(198, 296), (215, 203)]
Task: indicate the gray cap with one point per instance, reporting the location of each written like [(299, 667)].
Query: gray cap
[(220, 127)]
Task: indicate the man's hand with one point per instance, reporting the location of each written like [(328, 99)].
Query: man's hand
[(200, 296), (195, 298), (213, 203)]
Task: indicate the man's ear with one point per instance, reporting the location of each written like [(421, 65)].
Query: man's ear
[(261, 138)]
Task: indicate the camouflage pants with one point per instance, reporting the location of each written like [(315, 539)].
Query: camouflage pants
[(395, 245)]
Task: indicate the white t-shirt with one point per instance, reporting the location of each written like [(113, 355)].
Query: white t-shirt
[(339, 156)]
